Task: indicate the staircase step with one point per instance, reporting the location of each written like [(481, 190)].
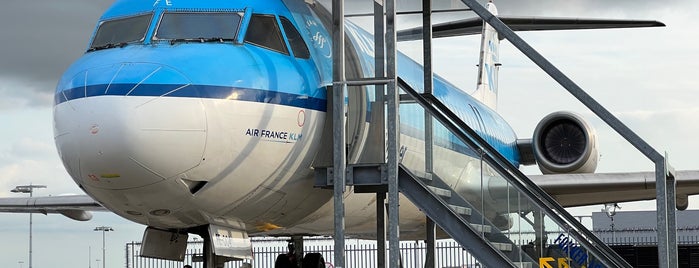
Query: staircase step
[(440, 191), (502, 246), (461, 210), (420, 174), (482, 228)]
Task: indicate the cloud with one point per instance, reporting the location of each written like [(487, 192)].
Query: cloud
[(32, 149), (29, 156), (21, 92), (24, 171), (40, 40), (28, 160), (668, 128)]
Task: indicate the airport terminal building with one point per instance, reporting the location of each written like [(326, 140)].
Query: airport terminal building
[(632, 234), (639, 227)]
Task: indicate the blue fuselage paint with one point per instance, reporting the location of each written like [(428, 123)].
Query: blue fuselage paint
[(246, 72)]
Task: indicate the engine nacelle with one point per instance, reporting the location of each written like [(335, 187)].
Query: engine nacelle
[(564, 143)]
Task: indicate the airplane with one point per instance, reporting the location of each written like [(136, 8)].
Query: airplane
[(205, 117)]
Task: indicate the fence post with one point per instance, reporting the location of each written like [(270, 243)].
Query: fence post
[(126, 252)]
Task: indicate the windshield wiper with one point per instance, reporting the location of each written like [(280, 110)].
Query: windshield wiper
[(107, 46), (217, 39), (200, 40)]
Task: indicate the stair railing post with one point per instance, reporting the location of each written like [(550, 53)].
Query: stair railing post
[(339, 149)]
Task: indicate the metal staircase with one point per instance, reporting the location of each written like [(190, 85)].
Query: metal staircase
[(493, 218), (500, 217)]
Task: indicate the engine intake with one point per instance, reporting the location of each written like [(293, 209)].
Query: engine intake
[(564, 143)]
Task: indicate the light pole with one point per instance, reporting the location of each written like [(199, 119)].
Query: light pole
[(28, 189), (103, 229)]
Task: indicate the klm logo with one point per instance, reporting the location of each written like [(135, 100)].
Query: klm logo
[(489, 73), (490, 65), (493, 50)]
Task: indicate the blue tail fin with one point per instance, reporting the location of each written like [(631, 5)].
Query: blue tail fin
[(488, 66)]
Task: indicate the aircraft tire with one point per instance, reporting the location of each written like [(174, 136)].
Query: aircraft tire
[(283, 262), (313, 260)]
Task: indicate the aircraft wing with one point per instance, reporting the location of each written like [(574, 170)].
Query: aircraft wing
[(76, 207), (596, 188), (474, 26), (569, 190)]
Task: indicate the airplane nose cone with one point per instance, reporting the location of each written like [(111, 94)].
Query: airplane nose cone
[(116, 128)]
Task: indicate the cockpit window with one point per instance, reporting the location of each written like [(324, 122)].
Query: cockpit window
[(202, 26), (264, 31), (120, 32), (295, 40)]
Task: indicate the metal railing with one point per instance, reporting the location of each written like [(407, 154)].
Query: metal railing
[(362, 253), (358, 253)]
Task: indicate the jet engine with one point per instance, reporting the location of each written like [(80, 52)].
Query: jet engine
[(564, 143)]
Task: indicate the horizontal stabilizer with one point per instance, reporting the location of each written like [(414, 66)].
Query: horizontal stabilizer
[(474, 26)]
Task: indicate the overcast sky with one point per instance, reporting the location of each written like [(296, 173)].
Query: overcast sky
[(647, 77)]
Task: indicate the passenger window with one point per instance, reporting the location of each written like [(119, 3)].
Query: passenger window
[(298, 46), (264, 31), (118, 32), (202, 26)]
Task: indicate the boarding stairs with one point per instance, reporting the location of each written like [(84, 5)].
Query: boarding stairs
[(504, 220), (508, 216)]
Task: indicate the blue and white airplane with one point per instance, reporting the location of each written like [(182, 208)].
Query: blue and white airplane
[(205, 116)]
